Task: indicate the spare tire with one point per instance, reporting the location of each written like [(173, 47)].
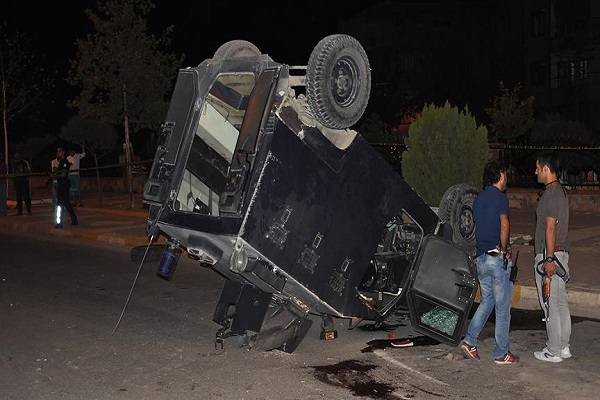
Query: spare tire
[(236, 49), (338, 81), (456, 208)]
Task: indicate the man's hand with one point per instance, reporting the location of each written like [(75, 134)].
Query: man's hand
[(549, 266), (508, 251)]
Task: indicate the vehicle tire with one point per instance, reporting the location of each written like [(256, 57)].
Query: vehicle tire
[(154, 252), (236, 49), (456, 208), (338, 81)]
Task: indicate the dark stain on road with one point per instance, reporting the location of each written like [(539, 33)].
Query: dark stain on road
[(354, 376)]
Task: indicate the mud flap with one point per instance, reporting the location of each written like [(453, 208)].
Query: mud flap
[(283, 328), (240, 307)]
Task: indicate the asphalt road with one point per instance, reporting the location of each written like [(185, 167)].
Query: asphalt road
[(60, 300)]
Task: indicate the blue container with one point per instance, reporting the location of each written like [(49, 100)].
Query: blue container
[(168, 261)]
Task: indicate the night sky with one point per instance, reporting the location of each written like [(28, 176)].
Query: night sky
[(285, 31)]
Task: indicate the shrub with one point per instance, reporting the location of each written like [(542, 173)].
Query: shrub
[(444, 147)]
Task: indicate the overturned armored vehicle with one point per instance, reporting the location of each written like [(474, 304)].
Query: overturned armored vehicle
[(259, 177)]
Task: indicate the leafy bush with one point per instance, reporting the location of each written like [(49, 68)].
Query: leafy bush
[(444, 146)]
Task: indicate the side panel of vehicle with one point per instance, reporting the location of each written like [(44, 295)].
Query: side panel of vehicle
[(319, 213)]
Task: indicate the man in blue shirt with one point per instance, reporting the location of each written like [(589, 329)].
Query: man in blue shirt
[(492, 226)]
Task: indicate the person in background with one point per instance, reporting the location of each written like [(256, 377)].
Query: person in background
[(62, 190), (3, 182), (54, 183), (74, 178), (492, 227), (20, 167), (552, 258)]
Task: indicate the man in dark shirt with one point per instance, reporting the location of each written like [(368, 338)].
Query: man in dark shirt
[(492, 226), (62, 190)]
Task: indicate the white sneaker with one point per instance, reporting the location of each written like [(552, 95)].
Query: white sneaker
[(566, 352), (545, 355)]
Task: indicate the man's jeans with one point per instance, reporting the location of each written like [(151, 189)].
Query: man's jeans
[(558, 316), (496, 290), (74, 189)]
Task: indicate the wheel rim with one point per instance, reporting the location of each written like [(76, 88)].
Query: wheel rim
[(343, 83), (467, 224)]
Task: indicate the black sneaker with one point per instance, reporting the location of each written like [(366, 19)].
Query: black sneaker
[(59, 226), (508, 358), (470, 351)]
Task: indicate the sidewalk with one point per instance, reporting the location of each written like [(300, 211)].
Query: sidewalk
[(117, 223)]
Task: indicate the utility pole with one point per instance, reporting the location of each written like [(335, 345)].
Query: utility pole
[(5, 120), (128, 155)]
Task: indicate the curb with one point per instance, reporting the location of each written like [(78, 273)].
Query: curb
[(582, 302), (126, 213), (79, 233), (115, 211)]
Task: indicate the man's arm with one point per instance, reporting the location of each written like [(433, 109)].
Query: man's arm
[(550, 244), (504, 233)]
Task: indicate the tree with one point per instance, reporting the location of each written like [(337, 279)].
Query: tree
[(97, 137), (22, 80), (124, 73), (510, 117), (444, 147), (554, 130), (122, 58)]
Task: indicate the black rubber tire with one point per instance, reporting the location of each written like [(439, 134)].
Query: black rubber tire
[(338, 81), (236, 49), (154, 252), (456, 208)]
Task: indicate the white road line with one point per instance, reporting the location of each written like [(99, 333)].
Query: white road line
[(389, 359)]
